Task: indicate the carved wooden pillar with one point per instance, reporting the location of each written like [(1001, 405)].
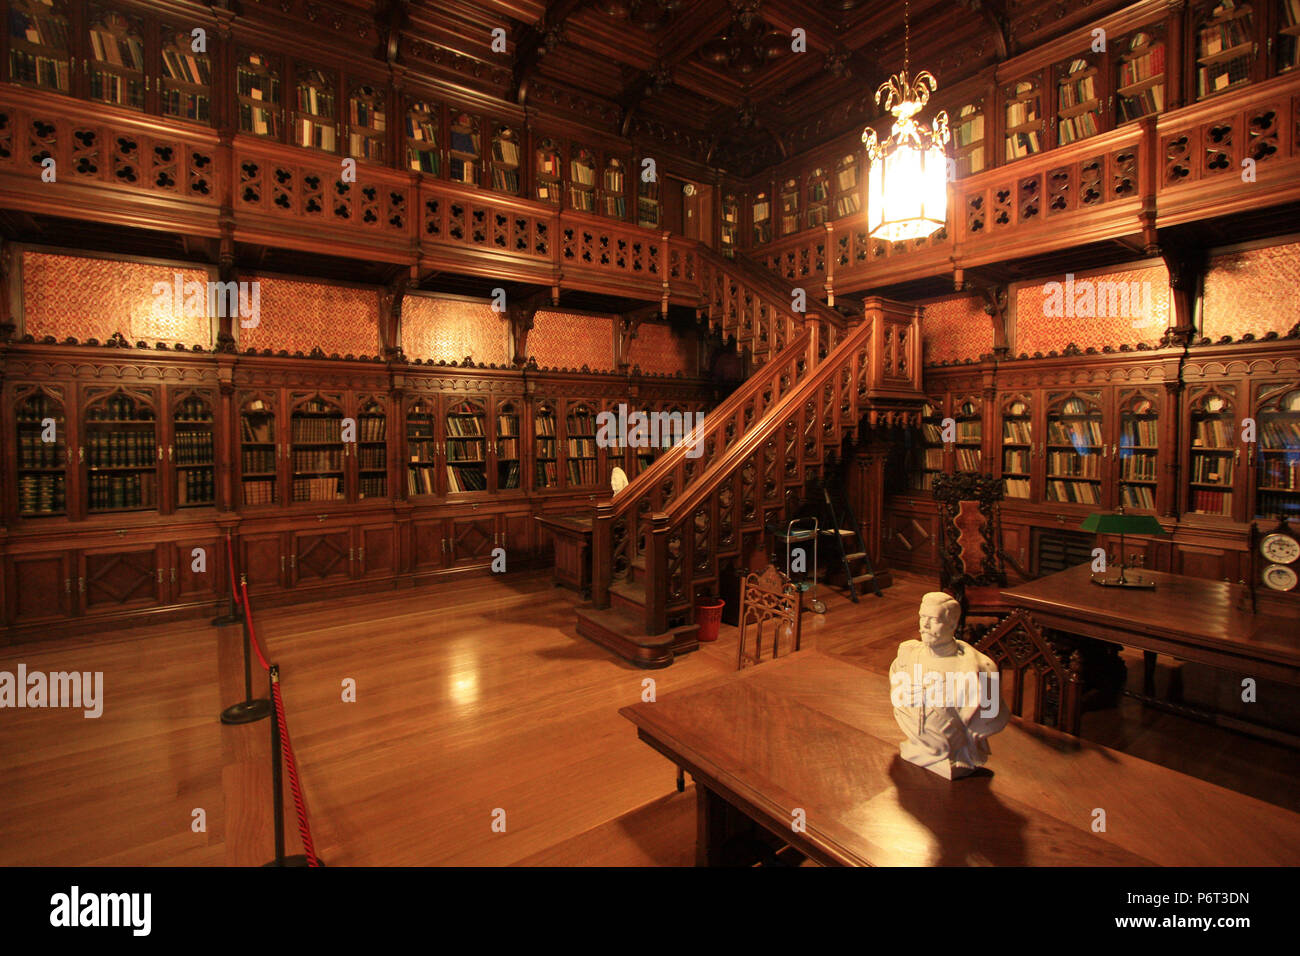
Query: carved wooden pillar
[(602, 565), (1186, 273), (227, 436), (995, 307), (656, 581), (390, 318), (1170, 438)]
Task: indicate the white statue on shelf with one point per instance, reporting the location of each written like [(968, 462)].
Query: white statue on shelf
[(945, 694), (617, 479)]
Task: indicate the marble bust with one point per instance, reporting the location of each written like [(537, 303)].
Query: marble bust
[(945, 694), (617, 479)]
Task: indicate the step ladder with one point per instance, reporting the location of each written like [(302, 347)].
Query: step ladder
[(837, 515)]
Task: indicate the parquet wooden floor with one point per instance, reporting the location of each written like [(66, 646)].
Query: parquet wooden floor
[(472, 697)]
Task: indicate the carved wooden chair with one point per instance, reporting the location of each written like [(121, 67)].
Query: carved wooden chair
[(768, 601), (972, 562), (1031, 662)]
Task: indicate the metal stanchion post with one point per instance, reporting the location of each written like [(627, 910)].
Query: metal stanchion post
[(247, 710), (233, 614), (277, 791)]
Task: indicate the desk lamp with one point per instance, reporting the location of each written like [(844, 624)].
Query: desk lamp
[(1121, 524)]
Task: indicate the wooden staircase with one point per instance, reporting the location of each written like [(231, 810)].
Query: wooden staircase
[(666, 539)]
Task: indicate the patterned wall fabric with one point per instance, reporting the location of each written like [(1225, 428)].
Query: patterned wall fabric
[(955, 328), (1252, 291), (659, 352), (300, 316), (565, 340), (1092, 310), (448, 330), (89, 298)]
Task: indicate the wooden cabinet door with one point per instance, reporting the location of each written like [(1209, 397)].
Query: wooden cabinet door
[(262, 561), (318, 557), (375, 551), (428, 544), (39, 588), (472, 539), (121, 578), (199, 571)]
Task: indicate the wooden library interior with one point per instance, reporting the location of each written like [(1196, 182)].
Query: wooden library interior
[(566, 410)]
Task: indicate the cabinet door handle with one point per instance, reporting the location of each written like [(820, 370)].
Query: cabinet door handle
[(160, 452), (173, 575), (169, 452), (352, 555), (81, 585), (81, 453), (361, 555), (67, 585), (293, 562), (282, 564), (160, 575)]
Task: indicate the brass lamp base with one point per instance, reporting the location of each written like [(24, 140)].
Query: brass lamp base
[(1123, 581)]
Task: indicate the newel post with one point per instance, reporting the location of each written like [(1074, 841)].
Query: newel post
[(602, 557), (656, 580)]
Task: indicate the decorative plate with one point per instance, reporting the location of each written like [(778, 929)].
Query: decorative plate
[(1279, 548), (1279, 577)]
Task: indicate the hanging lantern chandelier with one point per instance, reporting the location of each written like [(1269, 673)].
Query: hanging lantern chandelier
[(907, 182)]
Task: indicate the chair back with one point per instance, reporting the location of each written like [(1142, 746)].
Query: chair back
[(970, 533), (1032, 667), (768, 602)]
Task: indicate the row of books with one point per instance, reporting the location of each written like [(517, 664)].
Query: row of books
[(1072, 92), (121, 450), (1277, 474), (257, 460), (420, 481), (1151, 100), (373, 487), (313, 135), (110, 88), (365, 146), (1211, 502), (198, 488), (1023, 144), (314, 100), (934, 458), (371, 459), (923, 482), (1078, 127), (1017, 431), (466, 478), (258, 120), (194, 448), (1138, 467), (420, 130), (582, 423), (1212, 469), (508, 448), (582, 471), (613, 180), (466, 142), (505, 180), (368, 115), (1280, 434), (969, 459), (259, 492), (970, 131), (116, 492), (932, 433), (51, 31), (582, 174), (43, 71), (847, 178), (34, 453), (257, 86), (187, 67), (1139, 68), (126, 52), (464, 425), (1140, 431), (1072, 465), (317, 429), (1290, 12), (546, 474), (466, 449), (1076, 433), (371, 428), (615, 206), (1138, 496), (40, 494), (38, 408), (582, 448), (582, 200), (1225, 35), (119, 408), (1016, 487), (1015, 460), (1212, 433), (545, 447), (1078, 492), (318, 459), (1216, 79), (1022, 112), (846, 205), (317, 489), (969, 431), (970, 162), (423, 161), (508, 475)]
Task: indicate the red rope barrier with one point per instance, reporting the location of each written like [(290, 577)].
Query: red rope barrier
[(299, 805), (304, 828)]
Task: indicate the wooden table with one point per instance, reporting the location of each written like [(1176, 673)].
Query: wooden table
[(1194, 619), (816, 733), (572, 537)]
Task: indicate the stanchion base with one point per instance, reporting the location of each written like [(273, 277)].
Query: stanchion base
[(246, 712), (226, 620), (295, 861)]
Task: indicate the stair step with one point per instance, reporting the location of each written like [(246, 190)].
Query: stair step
[(855, 556), (629, 594), (623, 632), (859, 578)]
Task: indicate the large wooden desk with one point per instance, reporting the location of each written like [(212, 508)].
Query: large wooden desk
[(1194, 619), (816, 733)]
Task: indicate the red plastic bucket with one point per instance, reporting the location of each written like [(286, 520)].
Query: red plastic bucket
[(708, 617)]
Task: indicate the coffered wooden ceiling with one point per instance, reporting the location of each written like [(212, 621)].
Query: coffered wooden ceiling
[(714, 80)]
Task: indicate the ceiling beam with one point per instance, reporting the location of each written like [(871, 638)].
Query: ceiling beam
[(532, 42)]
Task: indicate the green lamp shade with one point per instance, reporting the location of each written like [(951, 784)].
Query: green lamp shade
[(1122, 524)]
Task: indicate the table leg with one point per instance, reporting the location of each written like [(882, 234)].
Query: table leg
[(710, 826), (1149, 673)]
